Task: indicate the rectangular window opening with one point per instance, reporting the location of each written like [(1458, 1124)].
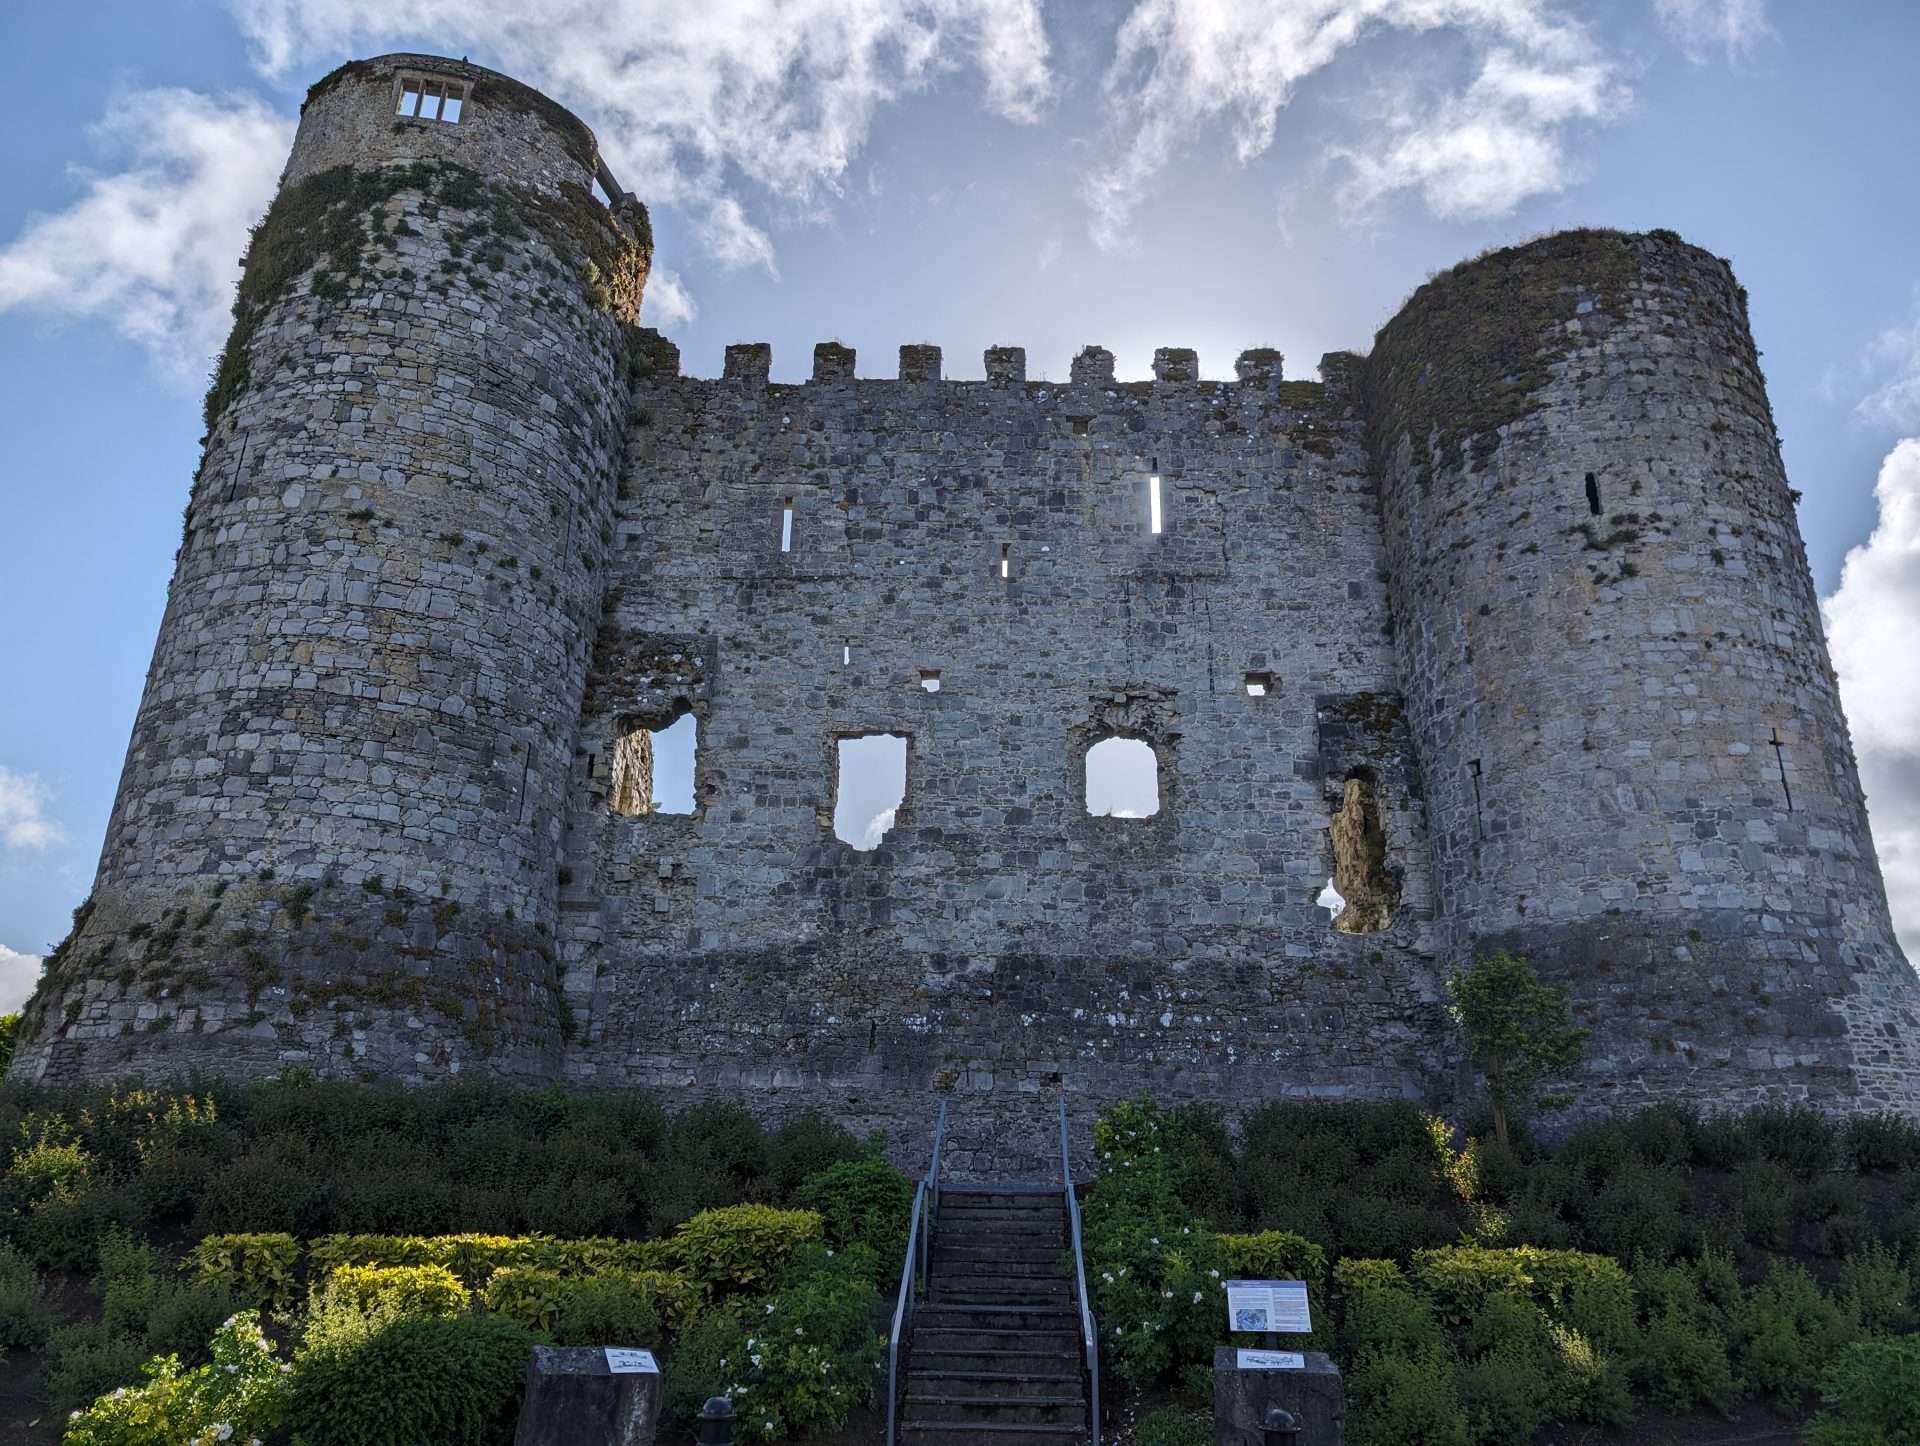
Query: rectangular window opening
[(786, 525), (600, 193), (1153, 503), (846, 654), (410, 97), (930, 679), (1006, 560), (1259, 684), (432, 96), (454, 102), (869, 786), (653, 768)]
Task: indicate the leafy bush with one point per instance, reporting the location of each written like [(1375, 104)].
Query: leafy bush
[(256, 1268), (24, 1314), (715, 1154), (741, 1247), (805, 1146), (395, 1291), (1384, 1318), (543, 1299), (474, 1258), (1683, 1360), (453, 1381), (87, 1359), (1877, 1292), (1881, 1142), (796, 1363), (1871, 1395), (240, 1394), (1784, 1329), (1276, 1255), (606, 1310), (1175, 1426), (9, 1038), (865, 1202), (1398, 1399)]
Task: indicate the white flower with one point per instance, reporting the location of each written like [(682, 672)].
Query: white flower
[(1214, 1273), (222, 1431), (797, 1331), (1166, 1295), (769, 1310), (1154, 1238), (1196, 1297)]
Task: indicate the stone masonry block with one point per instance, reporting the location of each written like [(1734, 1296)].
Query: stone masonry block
[(574, 1399), (1315, 1395)]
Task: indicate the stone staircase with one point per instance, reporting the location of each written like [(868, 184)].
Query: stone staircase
[(995, 1355)]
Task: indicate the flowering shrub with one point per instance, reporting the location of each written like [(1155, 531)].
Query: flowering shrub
[(256, 1268), (795, 1363), (239, 1396), (1158, 1276)]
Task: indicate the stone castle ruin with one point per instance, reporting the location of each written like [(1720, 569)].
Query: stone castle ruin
[(1506, 629)]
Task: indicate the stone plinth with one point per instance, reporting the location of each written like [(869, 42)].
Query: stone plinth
[(573, 1399), (1314, 1394)]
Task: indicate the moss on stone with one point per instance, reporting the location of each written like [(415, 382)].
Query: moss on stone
[(1470, 351)]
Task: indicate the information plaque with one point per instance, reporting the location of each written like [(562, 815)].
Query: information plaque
[(1278, 1306), (623, 1362), (1272, 1361)]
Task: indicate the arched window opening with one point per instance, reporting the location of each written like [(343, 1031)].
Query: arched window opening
[(653, 768), (1123, 779), (870, 784), (1362, 893)]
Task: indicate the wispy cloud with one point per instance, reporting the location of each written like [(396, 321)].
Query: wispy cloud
[(1891, 369), (878, 827), (1703, 27), (1871, 621), (23, 812), (153, 249), (692, 100), (18, 974), (1476, 149)]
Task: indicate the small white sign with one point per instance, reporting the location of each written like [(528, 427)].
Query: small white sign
[(1272, 1361), (625, 1362), (1268, 1305)]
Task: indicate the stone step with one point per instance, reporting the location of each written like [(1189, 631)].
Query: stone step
[(978, 1433), (1054, 1410), (1002, 1385), (1023, 1292), (964, 1251), (1064, 1337), (976, 1316), (969, 1268), (1022, 1233), (1003, 1199), (1064, 1360)]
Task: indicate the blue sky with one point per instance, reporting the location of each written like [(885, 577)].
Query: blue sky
[(1135, 173)]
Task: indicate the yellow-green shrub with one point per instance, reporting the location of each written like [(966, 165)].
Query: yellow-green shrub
[(742, 1247), (411, 1291), (474, 1258), (539, 1298), (1278, 1255), (531, 1297), (258, 1269)]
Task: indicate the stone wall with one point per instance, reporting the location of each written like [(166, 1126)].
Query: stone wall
[(1636, 764), (1000, 943), (370, 669)]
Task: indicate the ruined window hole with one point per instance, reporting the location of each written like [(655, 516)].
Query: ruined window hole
[(1123, 778), (869, 786), (930, 680), (1258, 685), (1362, 893), (653, 768)]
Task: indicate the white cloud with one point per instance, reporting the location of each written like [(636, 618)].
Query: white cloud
[(1701, 27), (878, 828), (1871, 621), (23, 820), (18, 974), (687, 99), (1892, 367), (668, 305), (154, 248), (1181, 67)]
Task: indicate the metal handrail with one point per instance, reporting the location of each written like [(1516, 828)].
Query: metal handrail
[(1089, 1337), (914, 1269)]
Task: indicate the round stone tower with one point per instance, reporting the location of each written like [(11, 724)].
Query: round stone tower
[(334, 836), (1636, 767)]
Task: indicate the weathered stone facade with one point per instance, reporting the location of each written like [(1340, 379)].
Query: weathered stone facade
[(462, 529)]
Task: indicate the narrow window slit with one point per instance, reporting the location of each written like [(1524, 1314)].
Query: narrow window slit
[(1006, 560), (1780, 759), (1479, 826), (1593, 495), (1153, 503), (786, 525)]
